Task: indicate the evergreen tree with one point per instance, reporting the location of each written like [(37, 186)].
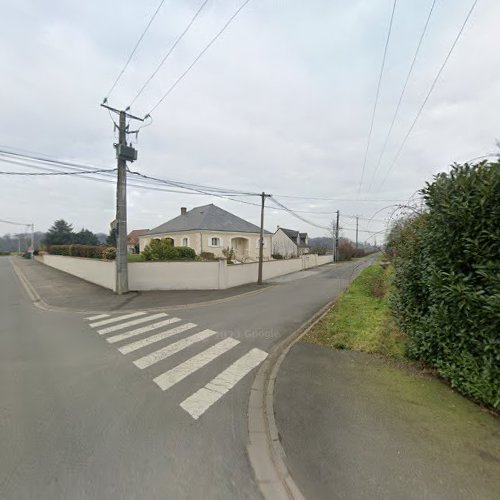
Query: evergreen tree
[(86, 237), (61, 233)]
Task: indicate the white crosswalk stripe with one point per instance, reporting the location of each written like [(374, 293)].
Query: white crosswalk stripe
[(143, 329), (116, 319), (171, 349), (176, 374), (99, 316), (201, 400), (155, 338), (134, 322)]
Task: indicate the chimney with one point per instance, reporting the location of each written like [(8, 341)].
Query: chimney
[(183, 210)]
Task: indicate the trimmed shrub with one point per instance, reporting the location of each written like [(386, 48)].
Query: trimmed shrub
[(277, 256), (163, 250), (186, 253), (87, 251), (447, 279), (109, 253), (207, 256)]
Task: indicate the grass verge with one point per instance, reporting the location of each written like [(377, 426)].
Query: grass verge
[(361, 320), (136, 257)]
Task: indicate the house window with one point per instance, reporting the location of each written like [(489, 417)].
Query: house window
[(185, 242), (215, 242)]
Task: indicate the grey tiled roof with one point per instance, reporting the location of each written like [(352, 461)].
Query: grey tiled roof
[(207, 218)]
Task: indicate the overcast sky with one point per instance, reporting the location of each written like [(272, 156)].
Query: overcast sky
[(281, 103)]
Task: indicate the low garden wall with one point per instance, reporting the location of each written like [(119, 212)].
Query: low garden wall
[(179, 275), (100, 272)]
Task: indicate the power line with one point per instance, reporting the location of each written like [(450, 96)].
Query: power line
[(187, 185), (200, 55), (167, 55), (377, 96), (334, 199), (283, 207), (72, 172), (415, 55), (152, 183), (134, 49), (14, 223), (436, 78)]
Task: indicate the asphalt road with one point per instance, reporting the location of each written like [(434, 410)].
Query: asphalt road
[(80, 420)]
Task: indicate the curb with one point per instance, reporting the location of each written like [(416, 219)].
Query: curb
[(266, 454), (30, 289)]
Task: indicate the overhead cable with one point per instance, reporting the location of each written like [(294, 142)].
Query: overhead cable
[(198, 57), (403, 90), (167, 55), (436, 78), (136, 46), (375, 104)]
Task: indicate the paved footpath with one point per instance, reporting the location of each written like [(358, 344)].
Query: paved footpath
[(127, 402), (355, 427), (61, 290)]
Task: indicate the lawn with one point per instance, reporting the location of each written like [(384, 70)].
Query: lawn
[(361, 320), (135, 257)]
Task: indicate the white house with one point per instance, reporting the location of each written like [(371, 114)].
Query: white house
[(211, 229), (290, 243)]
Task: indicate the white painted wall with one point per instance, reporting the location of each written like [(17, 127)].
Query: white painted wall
[(179, 275), (283, 245), (100, 272), (174, 275)]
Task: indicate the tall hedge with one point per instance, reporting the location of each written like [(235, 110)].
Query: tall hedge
[(89, 251), (447, 279)]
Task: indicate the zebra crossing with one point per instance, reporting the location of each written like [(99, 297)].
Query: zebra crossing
[(170, 335)]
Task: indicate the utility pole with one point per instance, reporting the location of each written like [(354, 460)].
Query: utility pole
[(124, 153), (261, 239), (32, 252), (121, 212), (333, 240), (337, 237), (357, 231)]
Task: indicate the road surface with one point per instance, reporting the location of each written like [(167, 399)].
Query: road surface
[(139, 404)]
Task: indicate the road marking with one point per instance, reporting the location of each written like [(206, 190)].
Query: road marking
[(155, 338), (134, 322), (99, 316), (144, 329), (201, 400), (116, 319), (171, 377), (171, 349)]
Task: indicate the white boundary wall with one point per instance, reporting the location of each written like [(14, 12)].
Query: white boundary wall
[(178, 275), (100, 272)]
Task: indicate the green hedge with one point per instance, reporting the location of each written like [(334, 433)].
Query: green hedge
[(447, 280), (164, 250), (88, 251)]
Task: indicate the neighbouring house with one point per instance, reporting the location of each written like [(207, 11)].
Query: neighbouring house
[(133, 240), (211, 229), (290, 243)]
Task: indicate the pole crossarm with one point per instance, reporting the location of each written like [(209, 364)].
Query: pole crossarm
[(127, 115)]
